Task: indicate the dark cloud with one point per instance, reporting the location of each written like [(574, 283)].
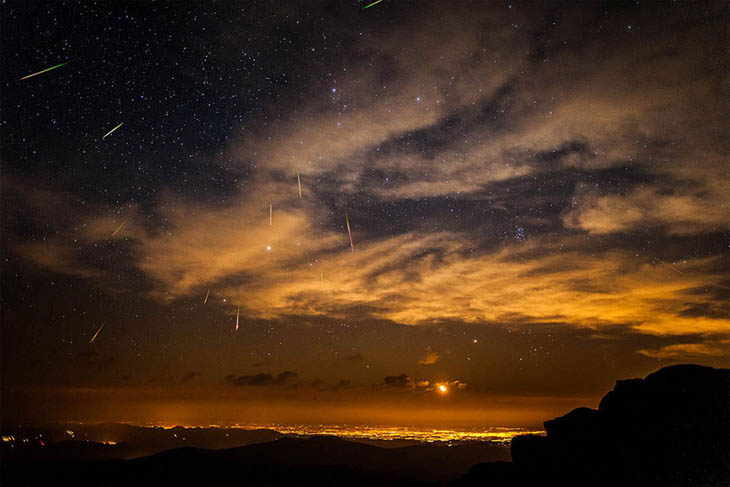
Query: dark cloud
[(261, 380), (719, 292), (189, 377), (451, 129), (343, 384), (706, 310), (402, 381)]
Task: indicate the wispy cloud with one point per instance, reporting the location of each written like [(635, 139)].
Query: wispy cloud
[(687, 350), (429, 359)]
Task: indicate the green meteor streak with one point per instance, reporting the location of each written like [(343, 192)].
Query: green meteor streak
[(44, 71), (112, 130), (374, 3)]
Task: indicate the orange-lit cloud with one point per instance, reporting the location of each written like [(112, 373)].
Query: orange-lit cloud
[(647, 208), (684, 350), (410, 278), (429, 359)]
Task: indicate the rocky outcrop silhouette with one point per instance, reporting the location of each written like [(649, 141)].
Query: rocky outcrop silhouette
[(669, 429)]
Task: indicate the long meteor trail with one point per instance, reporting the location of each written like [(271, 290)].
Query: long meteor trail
[(44, 71), (374, 3), (671, 267), (349, 232), (96, 334), (112, 130)]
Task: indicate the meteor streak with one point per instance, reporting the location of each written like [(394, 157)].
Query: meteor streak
[(299, 182), (205, 301), (96, 334), (271, 214), (238, 314), (347, 220), (671, 267), (119, 228), (374, 3), (44, 71), (112, 130)]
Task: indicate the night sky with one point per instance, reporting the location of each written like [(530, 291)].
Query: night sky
[(538, 198)]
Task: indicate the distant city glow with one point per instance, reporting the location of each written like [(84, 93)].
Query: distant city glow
[(501, 435)]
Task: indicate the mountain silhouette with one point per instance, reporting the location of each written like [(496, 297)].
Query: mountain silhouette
[(133, 441), (321, 460)]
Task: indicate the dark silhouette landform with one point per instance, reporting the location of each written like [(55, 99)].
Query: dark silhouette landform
[(669, 429)]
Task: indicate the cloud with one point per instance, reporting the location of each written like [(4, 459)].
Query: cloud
[(710, 310), (342, 385), (399, 381), (411, 87), (429, 359), (505, 115), (414, 277), (205, 245), (188, 377), (261, 380), (685, 351), (404, 381), (431, 278), (645, 208), (451, 386)]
